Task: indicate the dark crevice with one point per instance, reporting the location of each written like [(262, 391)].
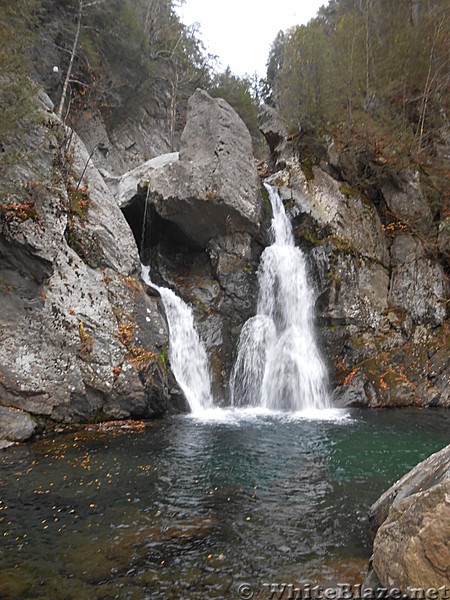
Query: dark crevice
[(157, 231)]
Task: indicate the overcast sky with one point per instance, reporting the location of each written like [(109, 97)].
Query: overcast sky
[(240, 32)]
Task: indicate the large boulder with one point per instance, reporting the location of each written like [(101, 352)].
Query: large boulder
[(213, 188), (411, 522), (202, 212), (429, 473)]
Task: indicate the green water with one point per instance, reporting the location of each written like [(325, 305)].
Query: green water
[(190, 509)]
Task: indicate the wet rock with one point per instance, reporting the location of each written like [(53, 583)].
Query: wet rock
[(220, 285), (412, 524), (375, 291), (338, 210), (234, 260), (352, 292), (382, 369), (355, 393), (15, 425)]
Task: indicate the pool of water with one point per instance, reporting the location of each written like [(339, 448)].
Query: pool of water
[(191, 508)]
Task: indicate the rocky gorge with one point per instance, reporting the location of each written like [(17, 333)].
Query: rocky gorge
[(81, 338)]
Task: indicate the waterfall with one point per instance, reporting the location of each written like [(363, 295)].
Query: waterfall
[(187, 354), (278, 364)]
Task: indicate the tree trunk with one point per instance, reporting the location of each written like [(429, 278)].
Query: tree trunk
[(367, 54), (72, 57), (173, 106), (414, 11), (427, 89), (350, 87)]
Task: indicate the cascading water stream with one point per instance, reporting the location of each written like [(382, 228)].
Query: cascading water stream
[(187, 354), (278, 364)]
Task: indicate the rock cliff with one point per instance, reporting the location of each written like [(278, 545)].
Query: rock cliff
[(80, 338), (381, 286)]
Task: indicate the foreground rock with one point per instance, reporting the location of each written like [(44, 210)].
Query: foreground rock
[(74, 341), (411, 523)]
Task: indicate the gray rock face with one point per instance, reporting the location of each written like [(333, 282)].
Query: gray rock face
[(418, 285), (106, 236), (79, 336), (16, 426), (406, 202), (349, 217), (412, 525), (125, 187), (274, 131), (213, 188), (357, 290)]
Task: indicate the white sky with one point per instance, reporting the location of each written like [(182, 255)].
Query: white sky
[(241, 32)]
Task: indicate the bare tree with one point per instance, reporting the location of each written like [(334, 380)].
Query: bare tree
[(81, 6), (430, 80), (367, 51)]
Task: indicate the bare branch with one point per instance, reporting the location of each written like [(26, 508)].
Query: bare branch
[(72, 57)]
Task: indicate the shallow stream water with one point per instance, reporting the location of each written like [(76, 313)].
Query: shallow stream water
[(191, 508)]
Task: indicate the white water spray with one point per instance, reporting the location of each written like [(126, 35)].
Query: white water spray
[(278, 364), (187, 354)]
